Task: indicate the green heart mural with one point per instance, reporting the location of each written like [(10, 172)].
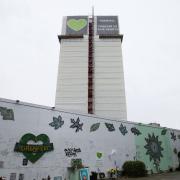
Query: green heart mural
[(34, 151), (99, 155), (76, 24)]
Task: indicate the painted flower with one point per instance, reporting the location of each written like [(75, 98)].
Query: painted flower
[(154, 149)]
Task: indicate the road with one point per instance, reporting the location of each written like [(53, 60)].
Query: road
[(164, 176)]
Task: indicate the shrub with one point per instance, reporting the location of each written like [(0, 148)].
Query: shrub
[(178, 168), (134, 169)]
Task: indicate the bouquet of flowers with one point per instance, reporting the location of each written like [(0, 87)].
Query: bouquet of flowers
[(113, 172)]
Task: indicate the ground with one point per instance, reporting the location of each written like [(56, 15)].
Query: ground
[(165, 176)]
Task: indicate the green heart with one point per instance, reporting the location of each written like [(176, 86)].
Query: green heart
[(33, 157), (99, 154), (77, 24)]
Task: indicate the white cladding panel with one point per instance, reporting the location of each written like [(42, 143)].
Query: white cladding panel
[(109, 79), (72, 83)]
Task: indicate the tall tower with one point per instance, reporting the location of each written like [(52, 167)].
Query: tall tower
[(90, 75)]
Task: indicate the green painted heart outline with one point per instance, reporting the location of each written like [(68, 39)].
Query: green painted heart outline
[(99, 155), (33, 157), (77, 24)]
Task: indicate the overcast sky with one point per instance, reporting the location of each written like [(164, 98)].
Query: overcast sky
[(29, 52)]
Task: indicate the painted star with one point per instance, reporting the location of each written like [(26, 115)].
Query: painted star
[(57, 122), (76, 124)]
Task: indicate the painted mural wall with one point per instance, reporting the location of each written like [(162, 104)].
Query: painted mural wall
[(37, 141), (153, 148), (174, 137)]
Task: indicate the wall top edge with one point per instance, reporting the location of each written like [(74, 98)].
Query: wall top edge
[(21, 103)]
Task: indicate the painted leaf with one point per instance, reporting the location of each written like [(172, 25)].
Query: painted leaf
[(173, 136), (110, 127), (135, 131), (94, 127), (175, 150), (6, 113), (163, 132), (57, 122), (123, 129)]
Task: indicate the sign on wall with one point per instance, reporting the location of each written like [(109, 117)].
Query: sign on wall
[(72, 152), (84, 174), (76, 25), (99, 160), (25, 162), (107, 25)]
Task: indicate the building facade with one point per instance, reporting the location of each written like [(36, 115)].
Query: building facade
[(90, 76)]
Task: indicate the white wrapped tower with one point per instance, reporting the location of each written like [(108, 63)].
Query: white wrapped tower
[(90, 75)]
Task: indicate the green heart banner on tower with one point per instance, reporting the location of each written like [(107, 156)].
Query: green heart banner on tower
[(76, 25), (33, 152)]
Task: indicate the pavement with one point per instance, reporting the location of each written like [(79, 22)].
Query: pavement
[(164, 176)]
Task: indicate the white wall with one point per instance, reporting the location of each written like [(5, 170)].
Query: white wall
[(36, 120)]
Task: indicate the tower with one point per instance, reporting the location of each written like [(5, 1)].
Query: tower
[(90, 74)]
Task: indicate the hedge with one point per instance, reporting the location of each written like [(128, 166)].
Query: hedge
[(134, 169)]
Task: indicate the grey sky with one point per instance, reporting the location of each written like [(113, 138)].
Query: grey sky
[(29, 52)]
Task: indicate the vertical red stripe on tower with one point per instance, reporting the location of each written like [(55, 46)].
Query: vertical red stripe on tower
[(90, 65)]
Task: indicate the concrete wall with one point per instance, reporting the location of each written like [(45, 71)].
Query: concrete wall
[(116, 142)]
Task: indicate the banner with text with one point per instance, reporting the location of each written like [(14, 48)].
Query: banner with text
[(107, 25)]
